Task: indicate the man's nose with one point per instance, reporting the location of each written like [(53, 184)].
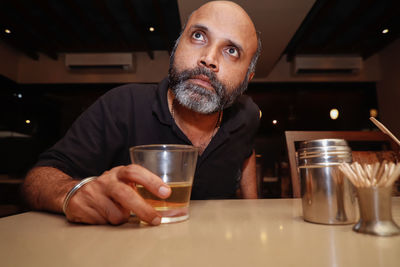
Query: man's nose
[(209, 59)]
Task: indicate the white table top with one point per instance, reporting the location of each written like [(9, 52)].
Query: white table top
[(264, 232)]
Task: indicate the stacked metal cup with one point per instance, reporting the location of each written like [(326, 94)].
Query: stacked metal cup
[(327, 196)]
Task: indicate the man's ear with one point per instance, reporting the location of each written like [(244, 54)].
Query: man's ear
[(251, 76)]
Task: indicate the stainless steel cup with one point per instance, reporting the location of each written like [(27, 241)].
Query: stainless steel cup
[(327, 196), (376, 212)]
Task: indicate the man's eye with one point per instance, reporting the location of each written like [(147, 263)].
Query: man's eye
[(233, 51), (198, 36)]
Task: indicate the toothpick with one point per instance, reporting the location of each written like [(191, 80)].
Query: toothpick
[(375, 169), (391, 168), (384, 175), (362, 175), (348, 172), (394, 176), (368, 170), (384, 129), (380, 171), (366, 175)]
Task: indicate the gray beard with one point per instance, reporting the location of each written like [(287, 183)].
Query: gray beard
[(199, 99)]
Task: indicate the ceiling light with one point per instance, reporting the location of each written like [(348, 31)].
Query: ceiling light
[(385, 31), (151, 29), (373, 112), (334, 113), (27, 121), (7, 31), (274, 122)]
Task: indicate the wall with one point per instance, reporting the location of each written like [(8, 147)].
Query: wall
[(282, 72), (47, 70), (25, 70), (9, 59), (388, 88)]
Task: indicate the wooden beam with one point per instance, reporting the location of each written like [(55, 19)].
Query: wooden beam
[(35, 25), (374, 28), (387, 40), (161, 23), (313, 20), (90, 28), (141, 28), (25, 38), (64, 27), (17, 45), (346, 23), (120, 36)]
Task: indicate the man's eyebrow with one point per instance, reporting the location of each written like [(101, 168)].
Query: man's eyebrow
[(204, 28), (199, 26)]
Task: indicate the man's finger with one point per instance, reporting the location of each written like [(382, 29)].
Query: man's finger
[(130, 200), (153, 183), (112, 211)]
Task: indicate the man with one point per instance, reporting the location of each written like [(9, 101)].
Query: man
[(200, 104)]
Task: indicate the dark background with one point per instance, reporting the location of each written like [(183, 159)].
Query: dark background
[(52, 108)]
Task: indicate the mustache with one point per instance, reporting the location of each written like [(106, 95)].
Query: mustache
[(191, 73)]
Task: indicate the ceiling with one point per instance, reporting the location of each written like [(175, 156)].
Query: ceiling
[(53, 27), (288, 27), (347, 27)]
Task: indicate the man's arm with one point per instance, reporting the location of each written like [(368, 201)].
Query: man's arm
[(248, 183), (108, 199), (45, 188)]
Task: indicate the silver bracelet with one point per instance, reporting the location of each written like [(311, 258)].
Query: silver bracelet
[(72, 192)]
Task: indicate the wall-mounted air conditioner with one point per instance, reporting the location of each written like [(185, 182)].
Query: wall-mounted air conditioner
[(100, 61), (327, 64)]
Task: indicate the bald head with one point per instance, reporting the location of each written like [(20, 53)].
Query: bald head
[(229, 14), (214, 58), (235, 18), (229, 11)]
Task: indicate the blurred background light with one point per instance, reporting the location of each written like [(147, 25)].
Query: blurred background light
[(334, 113), (373, 112)]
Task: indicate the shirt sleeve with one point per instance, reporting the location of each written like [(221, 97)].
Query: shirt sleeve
[(94, 140), (253, 122)]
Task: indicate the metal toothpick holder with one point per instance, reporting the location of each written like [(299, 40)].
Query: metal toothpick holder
[(376, 212)]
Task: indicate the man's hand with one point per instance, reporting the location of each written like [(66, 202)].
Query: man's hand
[(112, 197), (108, 199)]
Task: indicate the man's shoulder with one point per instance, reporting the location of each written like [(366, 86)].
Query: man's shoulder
[(246, 103), (244, 112), (249, 111), (132, 89), (129, 94)]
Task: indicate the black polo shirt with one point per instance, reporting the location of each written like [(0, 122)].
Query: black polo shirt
[(138, 114)]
